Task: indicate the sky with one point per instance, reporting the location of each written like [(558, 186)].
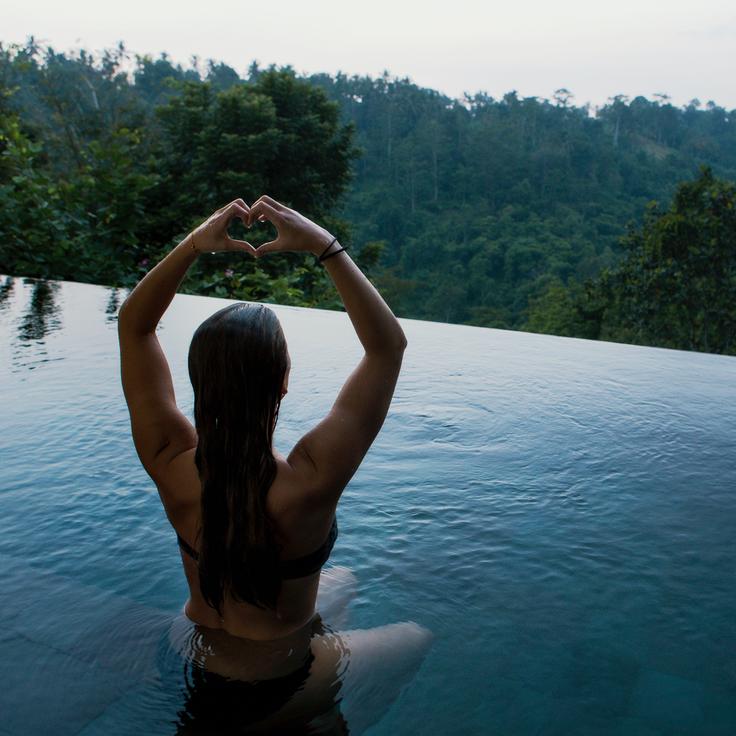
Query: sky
[(596, 49)]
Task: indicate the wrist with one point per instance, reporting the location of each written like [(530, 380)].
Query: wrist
[(325, 252), (191, 245), (324, 239)]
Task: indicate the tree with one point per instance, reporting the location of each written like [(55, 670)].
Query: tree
[(676, 285)]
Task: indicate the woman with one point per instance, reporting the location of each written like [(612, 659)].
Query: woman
[(255, 527)]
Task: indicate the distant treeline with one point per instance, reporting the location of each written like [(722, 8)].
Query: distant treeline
[(520, 213)]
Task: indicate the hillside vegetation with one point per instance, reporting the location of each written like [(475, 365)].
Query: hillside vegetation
[(520, 213)]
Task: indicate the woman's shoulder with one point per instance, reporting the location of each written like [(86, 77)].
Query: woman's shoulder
[(179, 487), (287, 494), (290, 504)]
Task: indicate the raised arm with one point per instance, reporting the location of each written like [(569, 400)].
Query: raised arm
[(329, 454), (160, 431)]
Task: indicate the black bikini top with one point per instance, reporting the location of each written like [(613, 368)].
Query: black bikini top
[(297, 568)]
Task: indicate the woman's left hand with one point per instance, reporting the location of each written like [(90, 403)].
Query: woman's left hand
[(211, 236)]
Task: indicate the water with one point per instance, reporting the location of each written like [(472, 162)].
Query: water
[(560, 513)]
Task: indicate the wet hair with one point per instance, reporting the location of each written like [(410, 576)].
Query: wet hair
[(238, 359)]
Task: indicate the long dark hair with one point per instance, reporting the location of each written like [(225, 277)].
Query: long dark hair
[(238, 359)]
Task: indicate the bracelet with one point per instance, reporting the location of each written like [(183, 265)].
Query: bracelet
[(334, 253), (327, 248), (194, 247)]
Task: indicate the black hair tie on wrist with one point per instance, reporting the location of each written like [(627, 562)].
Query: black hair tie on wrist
[(327, 248), (334, 253)]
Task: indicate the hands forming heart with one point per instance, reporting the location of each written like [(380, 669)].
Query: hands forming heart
[(295, 232)]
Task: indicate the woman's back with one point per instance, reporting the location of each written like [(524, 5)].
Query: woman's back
[(301, 530), (301, 501)]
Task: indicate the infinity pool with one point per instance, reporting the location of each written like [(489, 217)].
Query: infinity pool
[(560, 513)]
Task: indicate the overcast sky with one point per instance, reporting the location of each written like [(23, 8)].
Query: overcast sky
[(596, 49)]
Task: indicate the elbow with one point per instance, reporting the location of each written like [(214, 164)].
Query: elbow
[(399, 346), (403, 342), (127, 321), (122, 314), (399, 341), (394, 347)]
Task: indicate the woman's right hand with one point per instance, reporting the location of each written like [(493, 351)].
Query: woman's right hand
[(295, 232)]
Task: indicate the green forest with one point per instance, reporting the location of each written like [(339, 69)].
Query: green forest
[(615, 223)]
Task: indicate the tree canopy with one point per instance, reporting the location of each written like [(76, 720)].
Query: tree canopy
[(676, 285)]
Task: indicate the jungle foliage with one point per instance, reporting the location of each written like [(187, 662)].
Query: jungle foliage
[(519, 213)]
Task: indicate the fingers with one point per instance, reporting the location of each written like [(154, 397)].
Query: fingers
[(240, 245), (263, 210), (270, 247), (238, 209), (234, 209), (241, 202), (270, 200), (263, 198)]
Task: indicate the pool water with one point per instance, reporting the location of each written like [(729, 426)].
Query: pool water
[(559, 513)]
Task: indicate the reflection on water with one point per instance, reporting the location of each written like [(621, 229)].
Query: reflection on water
[(35, 310), (113, 304), (6, 289), (42, 316)]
